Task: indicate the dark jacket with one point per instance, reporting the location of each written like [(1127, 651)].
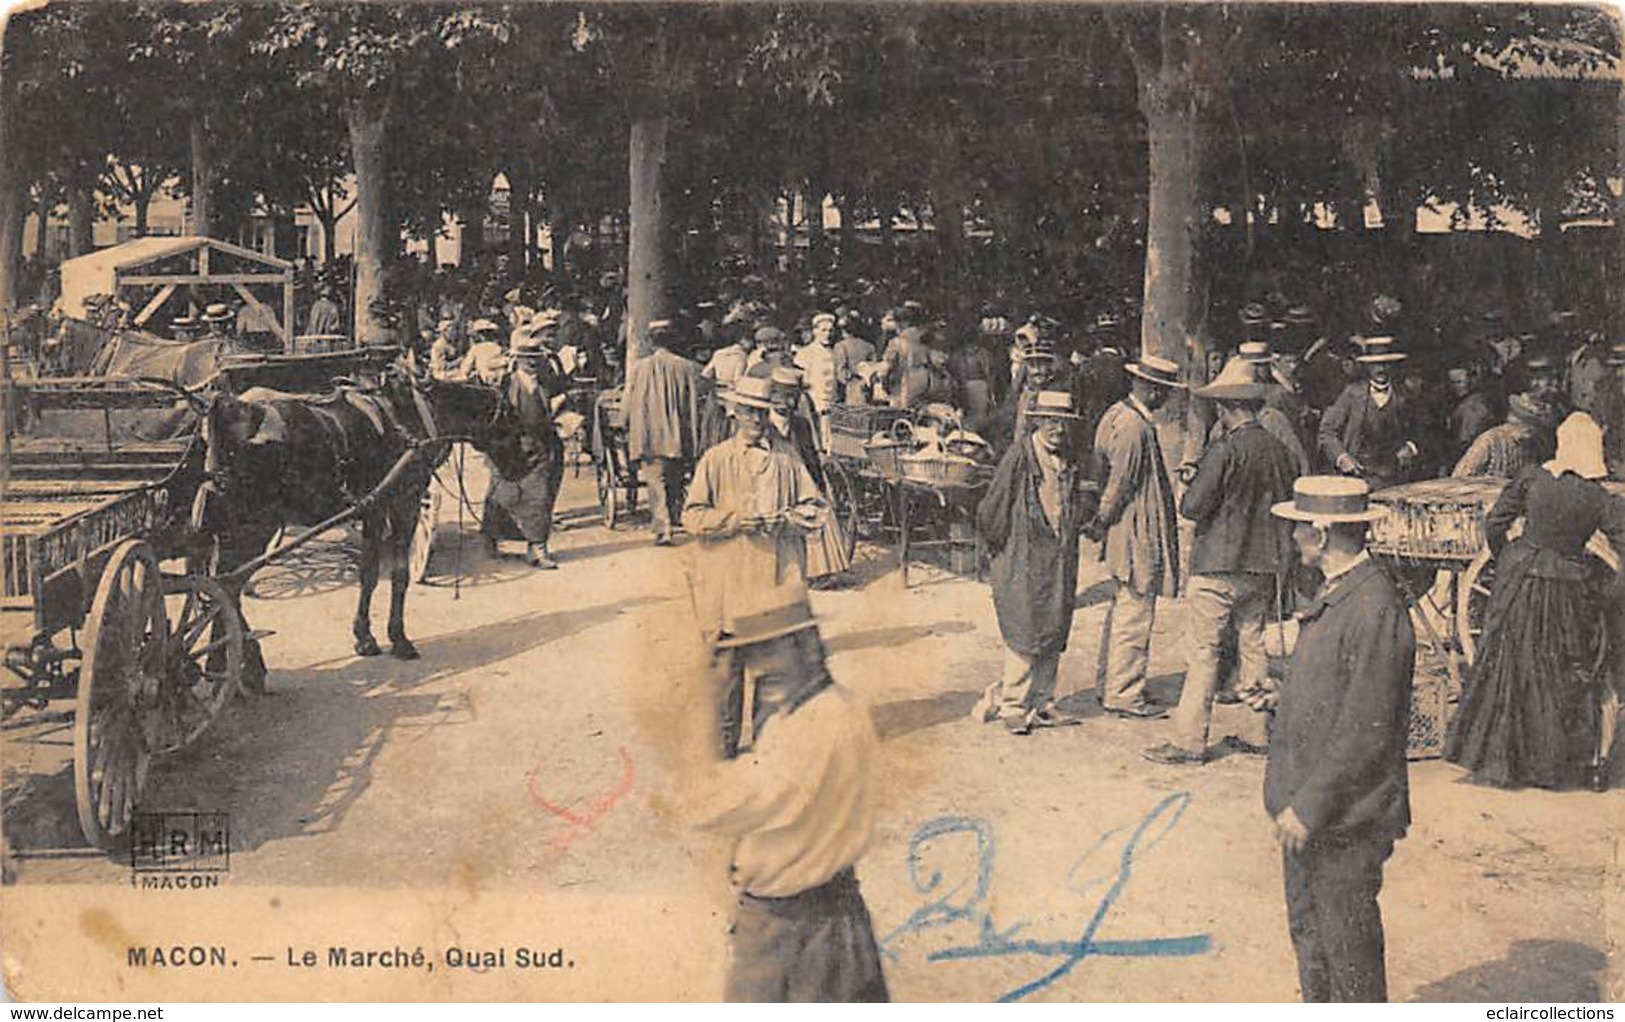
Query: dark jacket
[(1035, 568), (1337, 751), (1238, 479), (1354, 425)]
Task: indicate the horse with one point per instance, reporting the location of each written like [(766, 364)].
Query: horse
[(281, 459)]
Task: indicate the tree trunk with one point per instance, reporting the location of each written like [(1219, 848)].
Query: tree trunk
[(202, 176), (81, 217), (1169, 105), (330, 234), (13, 208), (648, 279), (373, 247), (42, 224), (473, 236), (143, 209)]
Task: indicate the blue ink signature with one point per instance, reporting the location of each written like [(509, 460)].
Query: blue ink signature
[(965, 901)]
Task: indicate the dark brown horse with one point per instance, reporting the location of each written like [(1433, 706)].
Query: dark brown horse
[(296, 460)]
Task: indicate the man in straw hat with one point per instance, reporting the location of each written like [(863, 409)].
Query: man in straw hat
[(1336, 782), (1030, 519), (663, 425), (752, 504), (1136, 520), (799, 806), (525, 486), (1371, 430), (1241, 551)]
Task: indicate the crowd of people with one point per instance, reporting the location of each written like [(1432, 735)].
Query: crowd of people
[(1242, 485)]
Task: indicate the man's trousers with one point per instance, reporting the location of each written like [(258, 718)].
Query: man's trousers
[(1125, 648), (1216, 604), (1332, 914)]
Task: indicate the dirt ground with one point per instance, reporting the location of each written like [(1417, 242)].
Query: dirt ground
[(530, 751)]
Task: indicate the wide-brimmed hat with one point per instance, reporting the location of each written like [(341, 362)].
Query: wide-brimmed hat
[(769, 335), (219, 312), (1237, 381), (483, 326), (786, 383), (1377, 350), (183, 322), (1053, 404), (1253, 313), (1329, 499), (1156, 369), (1032, 344), (769, 614), (1300, 315), (751, 391)]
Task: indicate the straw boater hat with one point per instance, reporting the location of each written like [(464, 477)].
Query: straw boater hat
[(824, 317), (773, 614), (1325, 500), (1255, 352), (1155, 369), (1300, 315), (1616, 355), (483, 326), (752, 392), (1375, 350), (183, 322), (1053, 404), (1237, 381), (219, 312)]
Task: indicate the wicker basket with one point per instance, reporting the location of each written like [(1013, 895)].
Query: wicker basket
[(1435, 519), (937, 469), (863, 421), (886, 456)]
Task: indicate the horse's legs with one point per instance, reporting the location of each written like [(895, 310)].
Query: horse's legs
[(404, 519), (365, 644)]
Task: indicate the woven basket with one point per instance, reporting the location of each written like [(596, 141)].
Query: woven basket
[(886, 456), (938, 469), (863, 421), (1434, 519)]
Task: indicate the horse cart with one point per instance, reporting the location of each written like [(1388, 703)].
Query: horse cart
[(1433, 544), (107, 602), (111, 597)]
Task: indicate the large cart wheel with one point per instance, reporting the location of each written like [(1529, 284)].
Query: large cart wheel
[(203, 662), (843, 500), (1472, 597), (119, 679), (423, 534)]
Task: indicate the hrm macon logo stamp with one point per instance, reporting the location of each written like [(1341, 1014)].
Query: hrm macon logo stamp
[(179, 850)]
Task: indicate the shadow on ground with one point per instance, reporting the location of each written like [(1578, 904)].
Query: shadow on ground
[(1531, 972), (294, 761)]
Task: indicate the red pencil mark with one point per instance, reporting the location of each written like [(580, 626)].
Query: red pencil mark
[(581, 820)]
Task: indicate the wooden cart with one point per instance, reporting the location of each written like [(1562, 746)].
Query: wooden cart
[(106, 601)]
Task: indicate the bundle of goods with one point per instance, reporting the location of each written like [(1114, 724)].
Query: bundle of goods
[(1435, 519), (957, 458)]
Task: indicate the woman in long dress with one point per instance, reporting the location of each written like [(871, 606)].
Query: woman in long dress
[(1531, 711)]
